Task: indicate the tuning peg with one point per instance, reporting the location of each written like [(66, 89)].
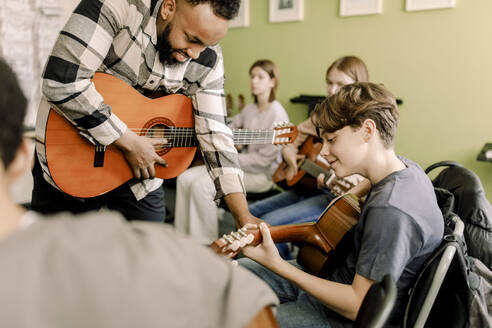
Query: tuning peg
[(236, 244)]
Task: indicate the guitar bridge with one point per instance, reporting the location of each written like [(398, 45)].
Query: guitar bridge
[(99, 152)]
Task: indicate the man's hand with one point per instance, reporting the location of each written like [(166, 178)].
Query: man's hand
[(248, 219), (140, 153)]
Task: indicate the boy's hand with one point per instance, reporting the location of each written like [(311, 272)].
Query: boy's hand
[(265, 253)]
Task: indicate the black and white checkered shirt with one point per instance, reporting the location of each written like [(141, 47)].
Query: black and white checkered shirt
[(119, 37)]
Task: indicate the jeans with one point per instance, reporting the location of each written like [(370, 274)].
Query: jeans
[(297, 309), (291, 207), (47, 199)]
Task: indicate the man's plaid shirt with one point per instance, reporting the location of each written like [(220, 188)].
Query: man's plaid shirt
[(119, 37)]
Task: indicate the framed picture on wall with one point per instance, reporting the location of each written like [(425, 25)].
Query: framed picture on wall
[(360, 7), (411, 5), (242, 19), (286, 10)]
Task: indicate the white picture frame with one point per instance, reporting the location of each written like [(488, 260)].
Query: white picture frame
[(414, 5), (360, 7), (242, 19), (286, 10)]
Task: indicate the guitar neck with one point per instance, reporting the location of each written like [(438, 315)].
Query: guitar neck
[(249, 137), (186, 137), (303, 232), (314, 169)]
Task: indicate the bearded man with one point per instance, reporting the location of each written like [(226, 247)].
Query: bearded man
[(153, 45)]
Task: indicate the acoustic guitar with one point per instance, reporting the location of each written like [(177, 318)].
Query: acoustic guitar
[(263, 319), (309, 168), (317, 239), (82, 169), (308, 164)]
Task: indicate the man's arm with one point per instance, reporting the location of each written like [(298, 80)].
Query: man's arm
[(216, 143), (79, 51), (237, 204)]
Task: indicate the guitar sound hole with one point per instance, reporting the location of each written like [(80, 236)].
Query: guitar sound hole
[(155, 129), (158, 132)]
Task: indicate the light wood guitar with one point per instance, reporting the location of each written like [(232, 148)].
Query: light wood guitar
[(82, 169), (318, 239), (263, 319), (309, 168)]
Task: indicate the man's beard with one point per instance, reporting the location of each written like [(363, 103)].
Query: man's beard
[(165, 48)]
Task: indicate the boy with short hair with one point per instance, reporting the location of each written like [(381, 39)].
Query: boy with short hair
[(399, 227)]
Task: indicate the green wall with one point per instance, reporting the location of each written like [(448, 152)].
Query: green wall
[(439, 62)]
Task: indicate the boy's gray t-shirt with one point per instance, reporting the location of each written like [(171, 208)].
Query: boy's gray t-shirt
[(100, 271), (399, 227)]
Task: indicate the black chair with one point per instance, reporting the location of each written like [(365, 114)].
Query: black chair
[(469, 202), (377, 304), (431, 278), (440, 294)]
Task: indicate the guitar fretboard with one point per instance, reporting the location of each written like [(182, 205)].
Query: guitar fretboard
[(314, 169), (186, 137)]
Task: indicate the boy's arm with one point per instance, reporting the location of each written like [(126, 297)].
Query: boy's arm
[(341, 298)]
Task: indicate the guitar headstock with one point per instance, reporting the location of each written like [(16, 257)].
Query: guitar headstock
[(284, 133), (229, 245)]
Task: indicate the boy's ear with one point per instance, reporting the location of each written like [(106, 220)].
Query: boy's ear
[(168, 8), (368, 129), (21, 162)]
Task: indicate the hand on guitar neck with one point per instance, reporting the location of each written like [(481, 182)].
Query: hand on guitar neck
[(336, 185), (303, 169), (140, 153), (291, 158), (317, 239), (257, 236), (265, 253)]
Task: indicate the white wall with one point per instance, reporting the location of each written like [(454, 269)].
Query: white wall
[(21, 190), (69, 6)]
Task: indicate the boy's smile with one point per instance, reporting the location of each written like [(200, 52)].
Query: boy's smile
[(343, 150)]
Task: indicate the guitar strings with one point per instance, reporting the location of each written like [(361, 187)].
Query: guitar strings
[(186, 137)]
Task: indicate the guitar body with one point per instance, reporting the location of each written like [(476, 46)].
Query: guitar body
[(337, 219), (71, 157), (318, 240), (263, 319), (303, 181)]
